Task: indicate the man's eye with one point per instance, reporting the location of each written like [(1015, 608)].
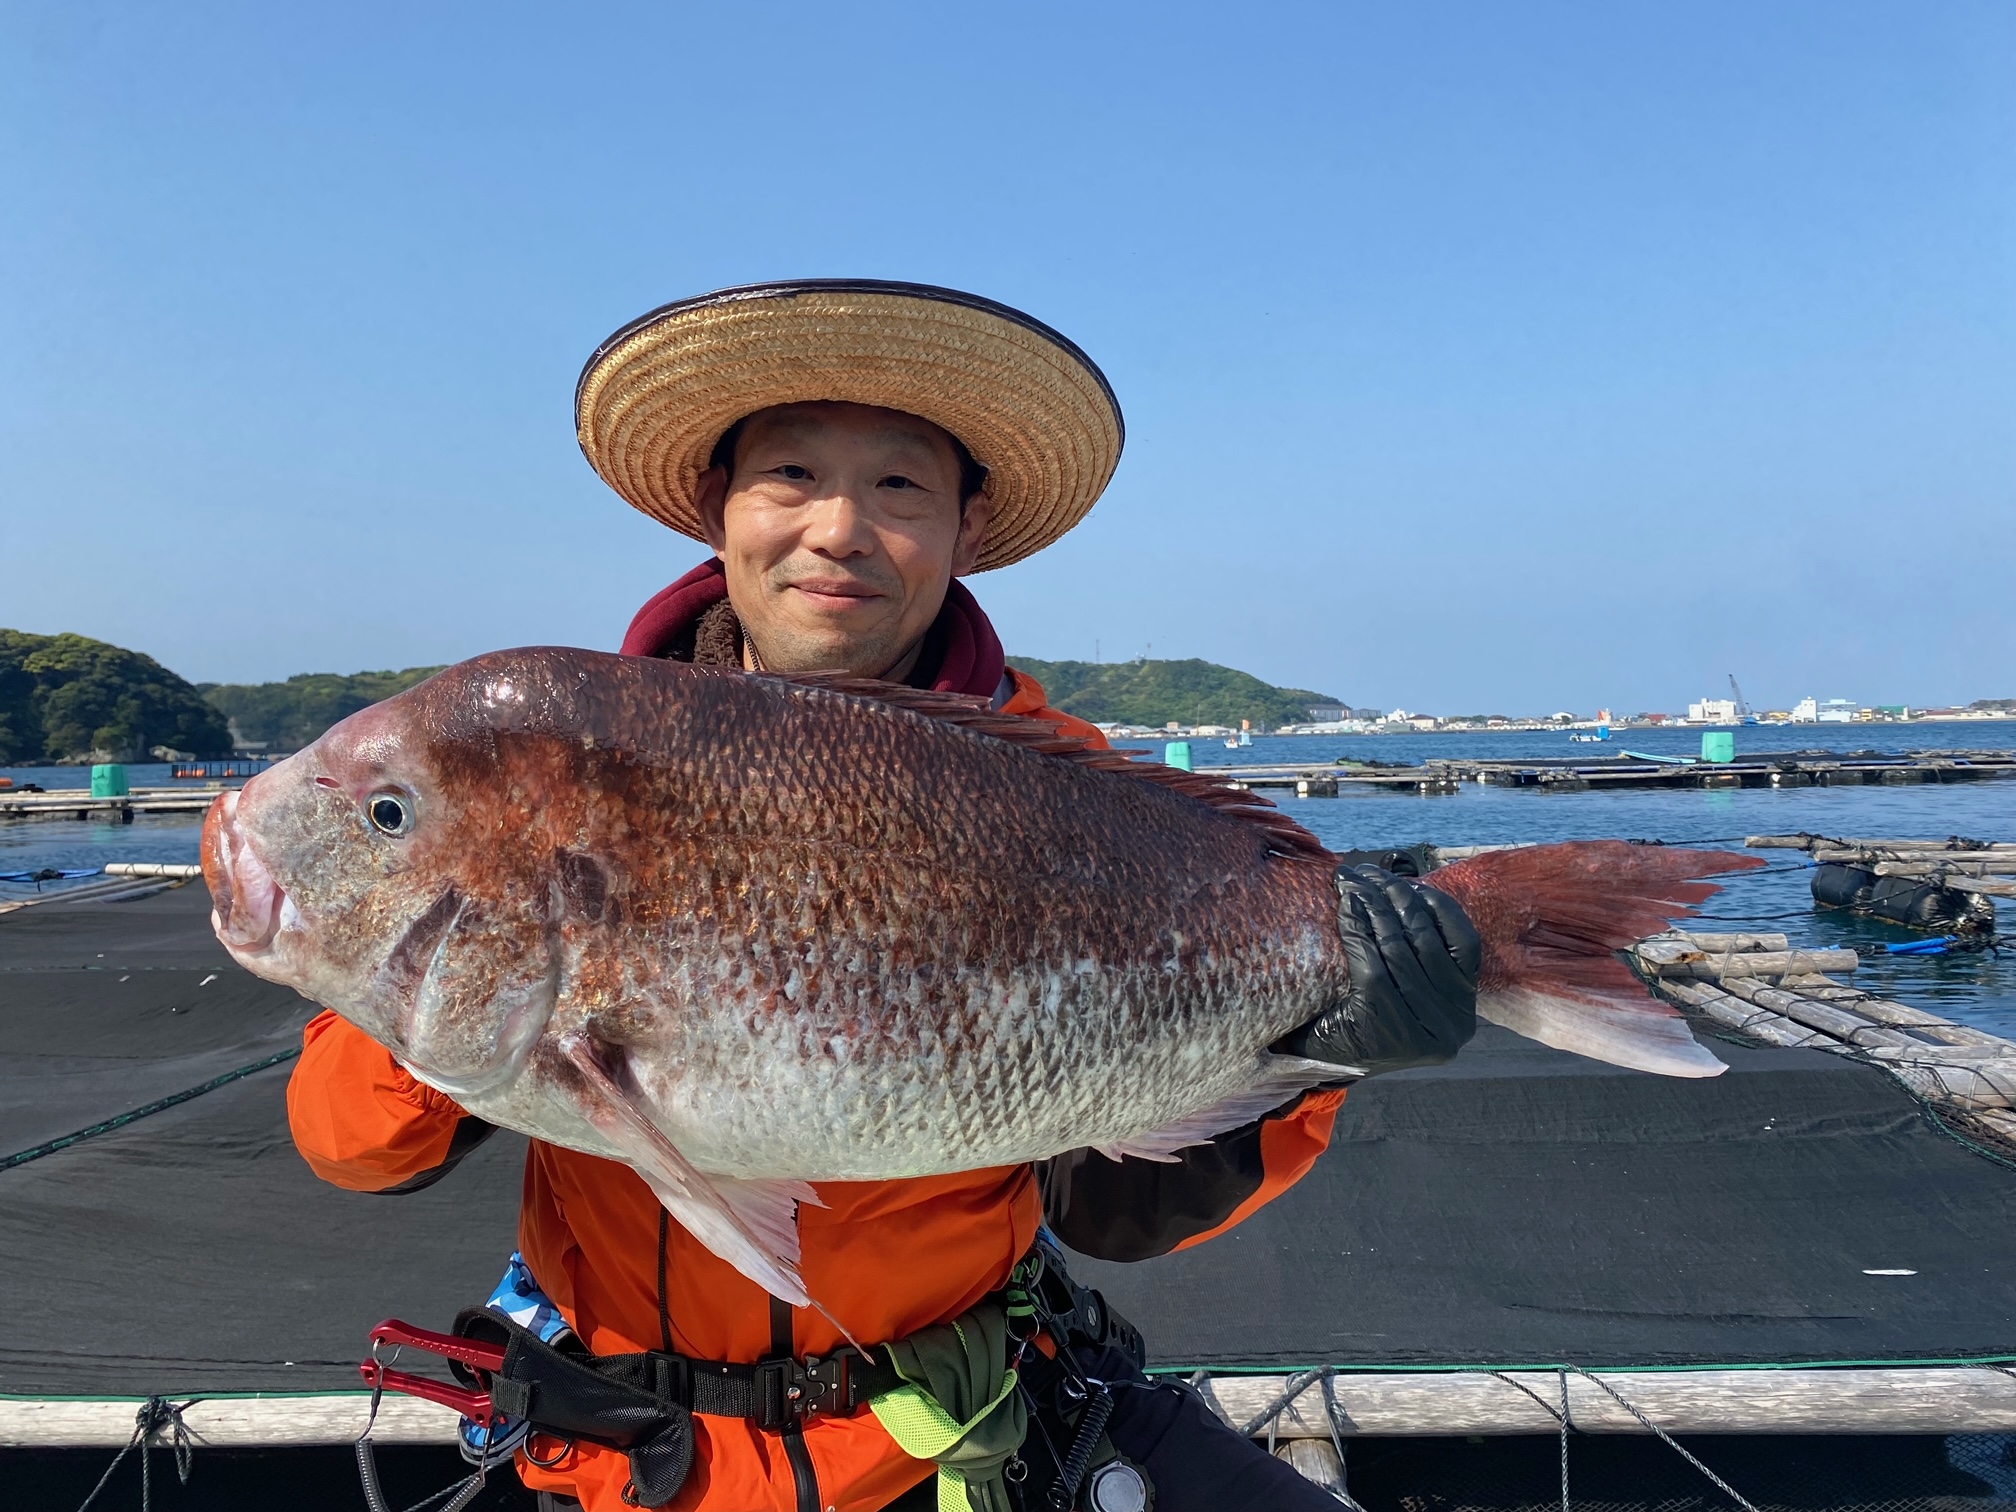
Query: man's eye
[(897, 480), (795, 473)]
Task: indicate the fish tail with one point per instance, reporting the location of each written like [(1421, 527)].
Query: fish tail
[(1553, 919)]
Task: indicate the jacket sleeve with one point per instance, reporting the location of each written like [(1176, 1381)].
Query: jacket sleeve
[(1132, 1209), (362, 1121)]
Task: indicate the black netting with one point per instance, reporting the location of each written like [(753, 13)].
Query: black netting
[(1967, 1473)]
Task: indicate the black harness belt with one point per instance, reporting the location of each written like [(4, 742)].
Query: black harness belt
[(535, 1379), (643, 1404)]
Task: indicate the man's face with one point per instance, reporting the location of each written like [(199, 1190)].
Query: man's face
[(840, 530)]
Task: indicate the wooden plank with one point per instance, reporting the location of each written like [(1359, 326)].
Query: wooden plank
[(1315, 1460), (1759, 1023), (1707, 941), (1980, 885), (1859, 842), (1900, 1015), (1837, 1022), (1675, 959), (228, 1422), (1916, 1399)]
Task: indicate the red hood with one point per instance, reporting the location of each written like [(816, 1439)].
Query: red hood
[(973, 661)]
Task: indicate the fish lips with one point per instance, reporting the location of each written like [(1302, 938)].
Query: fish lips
[(247, 905)]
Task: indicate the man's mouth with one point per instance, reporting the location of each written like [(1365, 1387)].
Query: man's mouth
[(834, 593)]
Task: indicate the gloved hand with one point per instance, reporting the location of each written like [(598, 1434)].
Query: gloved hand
[(1414, 961)]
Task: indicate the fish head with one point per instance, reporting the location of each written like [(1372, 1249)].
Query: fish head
[(404, 870)]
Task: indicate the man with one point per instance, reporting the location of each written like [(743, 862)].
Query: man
[(848, 450)]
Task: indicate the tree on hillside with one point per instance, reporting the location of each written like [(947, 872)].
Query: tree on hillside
[(20, 720), (68, 697), (289, 715), (1156, 692)]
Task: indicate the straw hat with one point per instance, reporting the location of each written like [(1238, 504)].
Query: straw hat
[(1033, 409)]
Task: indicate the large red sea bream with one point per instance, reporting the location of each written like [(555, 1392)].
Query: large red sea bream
[(749, 933)]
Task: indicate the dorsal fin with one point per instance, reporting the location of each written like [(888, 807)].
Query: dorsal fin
[(1284, 836)]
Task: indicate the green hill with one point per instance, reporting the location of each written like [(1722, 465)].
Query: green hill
[(71, 698), (286, 716), (1155, 692)]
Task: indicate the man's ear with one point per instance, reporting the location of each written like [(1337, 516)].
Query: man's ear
[(972, 529), (710, 502)]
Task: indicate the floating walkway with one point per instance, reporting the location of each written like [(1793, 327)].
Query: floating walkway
[(1569, 774), (77, 803)]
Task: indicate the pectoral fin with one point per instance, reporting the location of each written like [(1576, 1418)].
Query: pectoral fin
[(753, 1225)]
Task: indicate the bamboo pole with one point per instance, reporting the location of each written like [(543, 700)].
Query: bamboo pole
[(1919, 1399), (228, 1422), (1675, 958)]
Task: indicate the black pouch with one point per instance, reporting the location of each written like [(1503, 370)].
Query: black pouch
[(621, 1401)]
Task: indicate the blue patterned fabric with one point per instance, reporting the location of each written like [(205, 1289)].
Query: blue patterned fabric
[(518, 1298)]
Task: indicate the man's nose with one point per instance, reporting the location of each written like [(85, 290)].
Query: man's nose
[(839, 527)]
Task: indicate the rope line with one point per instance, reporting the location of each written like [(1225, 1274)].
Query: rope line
[(1333, 1414), (1664, 1437), (119, 1121), (1566, 1424), (155, 1414)]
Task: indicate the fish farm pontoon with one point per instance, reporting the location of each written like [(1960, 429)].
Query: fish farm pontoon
[(1520, 1280)]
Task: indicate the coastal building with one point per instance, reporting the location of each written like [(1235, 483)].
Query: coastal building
[(1806, 711), (1712, 711), (1839, 711)]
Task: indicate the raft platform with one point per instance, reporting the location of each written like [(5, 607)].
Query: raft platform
[(1574, 774), (77, 803), (1798, 1272)]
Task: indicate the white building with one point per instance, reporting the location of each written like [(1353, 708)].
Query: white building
[(1806, 711), (1712, 711), (1839, 711)]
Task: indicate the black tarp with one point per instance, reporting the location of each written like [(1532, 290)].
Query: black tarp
[(1519, 1206)]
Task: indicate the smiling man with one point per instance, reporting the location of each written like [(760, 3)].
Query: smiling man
[(839, 527), (849, 450)]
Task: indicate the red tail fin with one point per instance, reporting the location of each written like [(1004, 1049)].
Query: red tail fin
[(1553, 917)]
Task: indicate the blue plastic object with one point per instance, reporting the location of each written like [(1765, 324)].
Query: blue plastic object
[(1922, 947), (1718, 745), (1177, 754), (108, 780)]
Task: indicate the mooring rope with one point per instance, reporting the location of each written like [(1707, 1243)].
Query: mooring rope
[(119, 1121), (154, 1414)]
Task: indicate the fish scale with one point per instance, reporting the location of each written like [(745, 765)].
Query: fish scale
[(748, 932)]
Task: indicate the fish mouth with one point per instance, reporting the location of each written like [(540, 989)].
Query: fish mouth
[(246, 902)]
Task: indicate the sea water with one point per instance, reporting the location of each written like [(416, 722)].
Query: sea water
[(1977, 987)]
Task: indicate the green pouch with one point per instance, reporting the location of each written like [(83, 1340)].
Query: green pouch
[(958, 1407)]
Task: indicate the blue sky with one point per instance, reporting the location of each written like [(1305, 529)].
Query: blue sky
[(1503, 356)]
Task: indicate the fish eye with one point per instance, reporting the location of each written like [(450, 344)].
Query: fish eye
[(389, 813)]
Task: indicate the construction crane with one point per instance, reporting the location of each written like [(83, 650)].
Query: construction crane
[(1743, 711)]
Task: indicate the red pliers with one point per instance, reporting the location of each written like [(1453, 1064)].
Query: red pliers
[(485, 1359)]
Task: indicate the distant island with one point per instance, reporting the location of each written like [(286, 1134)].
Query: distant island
[(68, 698), (286, 716), (71, 698), (1153, 694)]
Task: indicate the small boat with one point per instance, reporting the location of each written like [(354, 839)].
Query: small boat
[(1602, 733)]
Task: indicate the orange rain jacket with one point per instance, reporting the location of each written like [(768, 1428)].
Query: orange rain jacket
[(889, 1257)]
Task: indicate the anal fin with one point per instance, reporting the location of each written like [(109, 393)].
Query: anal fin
[(753, 1225), (1281, 1077)]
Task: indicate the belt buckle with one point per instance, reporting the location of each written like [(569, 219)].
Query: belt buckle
[(789, 1391)]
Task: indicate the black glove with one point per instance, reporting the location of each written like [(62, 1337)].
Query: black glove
[(1414, 959)]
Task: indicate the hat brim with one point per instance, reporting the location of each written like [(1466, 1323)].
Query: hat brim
[(1027, 403)]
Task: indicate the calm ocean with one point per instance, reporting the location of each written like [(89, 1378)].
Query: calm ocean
[(1980, 987)]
